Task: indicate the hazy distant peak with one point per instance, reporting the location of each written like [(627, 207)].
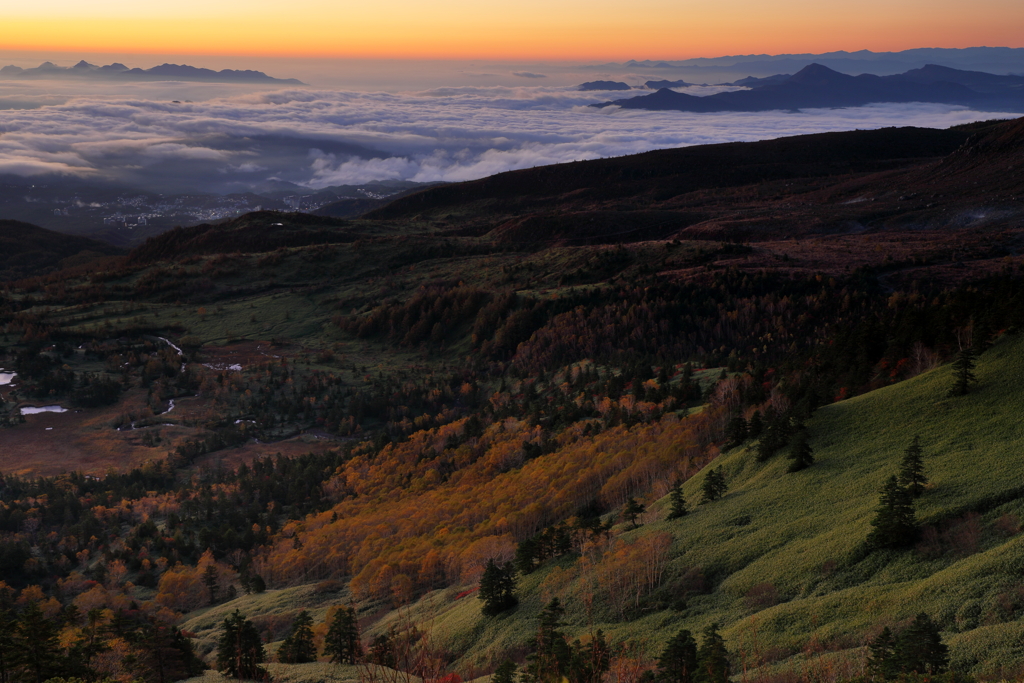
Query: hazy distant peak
[(816, 74), (163, 72)]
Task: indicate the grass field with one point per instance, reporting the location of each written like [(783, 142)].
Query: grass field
[(782, 554)]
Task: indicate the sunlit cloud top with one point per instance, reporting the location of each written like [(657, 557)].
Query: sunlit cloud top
[(563, 29)]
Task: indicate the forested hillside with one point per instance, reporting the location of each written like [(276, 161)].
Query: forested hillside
[(795, 445)]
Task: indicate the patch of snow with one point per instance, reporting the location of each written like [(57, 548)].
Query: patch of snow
[(223, 366), (33, 410), (180, 352), (6, 377), (49, 429)]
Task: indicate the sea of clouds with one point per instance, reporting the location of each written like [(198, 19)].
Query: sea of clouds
[(229, 141)]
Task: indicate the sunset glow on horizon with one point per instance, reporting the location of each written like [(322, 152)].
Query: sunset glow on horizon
[(457, 29)]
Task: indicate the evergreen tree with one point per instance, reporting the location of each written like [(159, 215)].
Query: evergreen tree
[(678, 501), (755, 426), (912, 469), (505, 673), (712, 658), (919, 649), (382, 650), (882, 655), (551, 656), (895, 525), (590, 662), (526, 554), (298, 647), (36, 649), (735, 432), (678, 661), (800, 453), (168, 654), (7, 645), (210, 578), (963, 372), (713, 486), (342, 643), (632, 510), (497, 588), (240, 649)]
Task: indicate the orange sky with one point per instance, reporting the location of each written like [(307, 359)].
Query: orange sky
[(535, 29)]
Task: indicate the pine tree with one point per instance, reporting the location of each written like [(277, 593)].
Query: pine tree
[(678, 661), (342, 643), (963, 372), (713, 486), (505, 673), (919, 649), (36, 648), (526, 554), (755, 426), (678, 501), (7, 645), (800, 453), (735, 432), (712, 658), (210, 581), (632, 510), (497, 588), (298, 647), (240, 649), (894, 522), (552, 656), (882, 655), (912, 469)]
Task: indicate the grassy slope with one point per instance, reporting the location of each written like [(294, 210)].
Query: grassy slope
[(803, 536)]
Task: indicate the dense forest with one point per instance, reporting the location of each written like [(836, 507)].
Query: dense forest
[(338, 405)]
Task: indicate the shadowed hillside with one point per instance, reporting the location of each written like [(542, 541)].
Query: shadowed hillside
[(27, 250)]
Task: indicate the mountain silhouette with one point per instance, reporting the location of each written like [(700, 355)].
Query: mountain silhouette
[(120, 72), (817, 86)]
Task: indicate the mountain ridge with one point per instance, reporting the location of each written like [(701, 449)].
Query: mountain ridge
[(817, 86), (162, 72)]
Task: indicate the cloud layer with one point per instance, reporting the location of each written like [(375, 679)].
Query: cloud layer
[(320, 138)]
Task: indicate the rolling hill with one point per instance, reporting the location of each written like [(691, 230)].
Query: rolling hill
[(27, 250)]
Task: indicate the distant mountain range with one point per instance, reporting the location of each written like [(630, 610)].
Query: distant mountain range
[(1003, 60), (120, 72), (817, 86)]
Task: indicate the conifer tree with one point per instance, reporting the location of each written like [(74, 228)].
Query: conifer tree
[(919, 649), (552, 655), (712, 658), (240, 649), (800, 453), (678, 501), (632, 510), (298, 647), (912, 469), (505, 673), (36, 648), (713, 486), (735, 432), (755, 426), (7, 645), (497, 588), (678, 661), (963, 372), (342, 643), (882, 655), (210, 578), (894, 522)]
